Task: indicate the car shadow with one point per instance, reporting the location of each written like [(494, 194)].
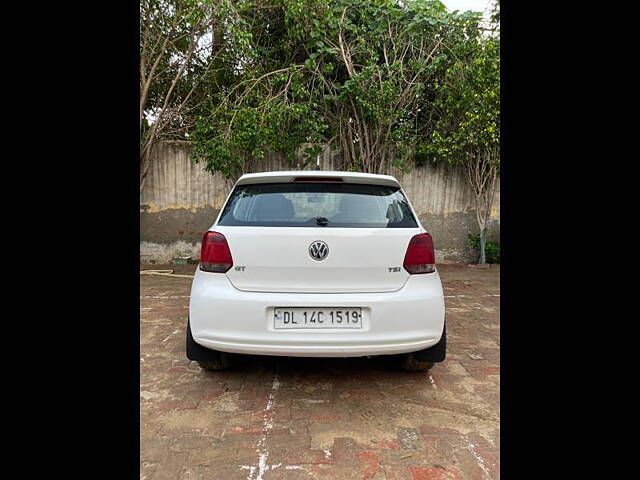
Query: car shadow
[(339, 366)]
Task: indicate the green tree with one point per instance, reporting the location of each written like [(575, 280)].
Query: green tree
[(355, 76), (467, 132), (386, 83), (261, 102), (176, 55)]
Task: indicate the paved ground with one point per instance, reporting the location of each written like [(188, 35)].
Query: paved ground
[(290, 418)]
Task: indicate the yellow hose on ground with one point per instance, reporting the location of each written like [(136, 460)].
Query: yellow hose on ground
[(164, 273)]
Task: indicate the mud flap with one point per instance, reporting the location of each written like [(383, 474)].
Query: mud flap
[(197, 352), (437, 353)]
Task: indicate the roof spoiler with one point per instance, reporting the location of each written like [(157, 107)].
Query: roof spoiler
[(308, 176)]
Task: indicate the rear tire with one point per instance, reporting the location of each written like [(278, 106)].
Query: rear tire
[(222, 363), (208, 359), (410, 364), (423, 360)]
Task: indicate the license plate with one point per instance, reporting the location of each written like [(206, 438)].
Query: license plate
[(293, 317)]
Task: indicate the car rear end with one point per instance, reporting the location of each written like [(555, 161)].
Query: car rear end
[(318, 264)]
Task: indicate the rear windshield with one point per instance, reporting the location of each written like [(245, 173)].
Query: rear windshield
[(329, 205)]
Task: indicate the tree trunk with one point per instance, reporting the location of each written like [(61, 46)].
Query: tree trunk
[(481, 171), (144, 168), (483, 242), (217, 35), (145, 161)]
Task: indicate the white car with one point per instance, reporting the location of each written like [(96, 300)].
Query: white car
[(316, 264)]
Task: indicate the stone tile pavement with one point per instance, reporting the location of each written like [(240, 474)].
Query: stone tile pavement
[(296, 418)]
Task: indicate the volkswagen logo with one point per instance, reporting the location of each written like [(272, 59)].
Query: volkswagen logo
[(318, 250)]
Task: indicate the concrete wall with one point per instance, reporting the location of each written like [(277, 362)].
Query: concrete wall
[(180, 200)]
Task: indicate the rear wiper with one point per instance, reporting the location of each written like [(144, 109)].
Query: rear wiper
[(322, 221)]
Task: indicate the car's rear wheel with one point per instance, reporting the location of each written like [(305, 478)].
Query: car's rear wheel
[(207, 359), (423, 360), (221, 363), (411, 364)]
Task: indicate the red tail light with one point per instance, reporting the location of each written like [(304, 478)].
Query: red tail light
[(215, 255), (420, 257), (318, 179)]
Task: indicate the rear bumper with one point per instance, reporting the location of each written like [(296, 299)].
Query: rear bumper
[(229, 320)]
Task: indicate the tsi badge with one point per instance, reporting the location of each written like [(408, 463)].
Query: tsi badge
[(393, 269)]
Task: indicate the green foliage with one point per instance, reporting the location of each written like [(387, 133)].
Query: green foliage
[(387, 83), (361, 76), (468, 102), (492, 249), (230, 140), (467, 129), (171, 62)]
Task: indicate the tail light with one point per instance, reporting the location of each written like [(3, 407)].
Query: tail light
[(318, 179), (215, 255), (420, 257)]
